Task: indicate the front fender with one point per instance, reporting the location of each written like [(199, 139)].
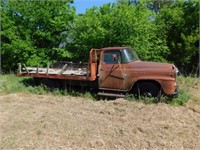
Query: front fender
[(168, 85)]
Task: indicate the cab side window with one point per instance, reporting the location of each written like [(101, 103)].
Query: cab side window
[(112, 57)]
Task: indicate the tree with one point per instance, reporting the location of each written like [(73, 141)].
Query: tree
[(157, 5), (35, 32), (180, 25), (31, 31), (116, 25)]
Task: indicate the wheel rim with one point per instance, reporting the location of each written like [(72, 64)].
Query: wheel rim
[(148, 89)]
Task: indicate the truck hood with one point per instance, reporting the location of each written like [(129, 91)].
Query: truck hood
[(152, 65)]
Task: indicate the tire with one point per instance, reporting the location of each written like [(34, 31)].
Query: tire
[(37, 81), (147, 89)]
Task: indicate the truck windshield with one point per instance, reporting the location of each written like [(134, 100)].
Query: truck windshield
[(129, 55)]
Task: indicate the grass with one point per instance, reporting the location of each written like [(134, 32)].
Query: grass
[(181, 99), (13, 84), (186, 84)]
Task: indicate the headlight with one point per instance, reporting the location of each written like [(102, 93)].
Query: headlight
[(174, 67)]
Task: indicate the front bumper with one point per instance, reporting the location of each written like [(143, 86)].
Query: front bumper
[(175, 94)]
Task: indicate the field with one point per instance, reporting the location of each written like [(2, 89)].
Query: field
[(46, 121)]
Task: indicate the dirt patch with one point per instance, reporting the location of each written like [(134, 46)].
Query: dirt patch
[(52, 122)]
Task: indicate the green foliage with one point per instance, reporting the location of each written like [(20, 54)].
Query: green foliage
[(180, 23), (31, 31), (116, 25), (40, 32)]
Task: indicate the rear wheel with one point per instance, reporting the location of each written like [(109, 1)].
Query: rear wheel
[(48, 83), (37, 81)]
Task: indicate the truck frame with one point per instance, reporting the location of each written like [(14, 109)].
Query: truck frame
[(113, 71)]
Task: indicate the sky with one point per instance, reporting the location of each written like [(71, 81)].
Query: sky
[(82, 5)]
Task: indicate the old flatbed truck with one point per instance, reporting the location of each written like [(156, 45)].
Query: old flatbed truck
[(113, 71)]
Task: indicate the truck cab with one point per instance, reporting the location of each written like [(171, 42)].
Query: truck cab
[(120, 69)]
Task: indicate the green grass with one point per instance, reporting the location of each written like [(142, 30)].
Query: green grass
[(188, 82), (14, 84), (11, 84), (181, 99), (185, 85)]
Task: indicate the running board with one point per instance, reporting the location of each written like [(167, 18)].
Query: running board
[(110, 94)]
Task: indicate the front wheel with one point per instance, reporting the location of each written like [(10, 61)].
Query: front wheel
[(148, 89)]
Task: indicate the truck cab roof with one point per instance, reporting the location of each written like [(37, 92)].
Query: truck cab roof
[(113, 48)]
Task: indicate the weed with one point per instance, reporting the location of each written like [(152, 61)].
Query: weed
[(186, 83), (11, 84), (181, 99), (88, 95)]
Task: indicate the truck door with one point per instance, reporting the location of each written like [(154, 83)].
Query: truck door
[(111, 71)]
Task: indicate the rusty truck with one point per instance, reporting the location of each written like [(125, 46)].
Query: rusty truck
[(112, 71)]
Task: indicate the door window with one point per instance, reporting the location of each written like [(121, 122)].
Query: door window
[(112, 57)]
